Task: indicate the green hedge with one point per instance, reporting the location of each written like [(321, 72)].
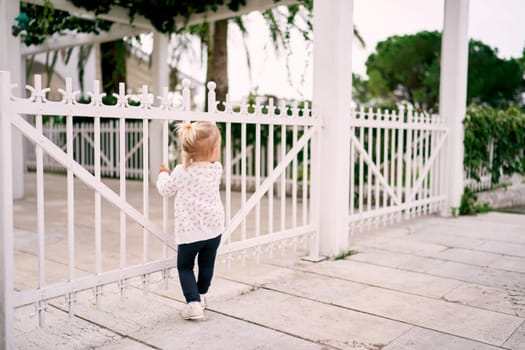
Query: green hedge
[(506, 128)]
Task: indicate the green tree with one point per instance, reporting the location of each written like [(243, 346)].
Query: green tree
[(407, 68), (399, 69)]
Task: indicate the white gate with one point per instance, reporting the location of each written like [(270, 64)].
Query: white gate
[(256, 221), (396, 166), (84, 147)]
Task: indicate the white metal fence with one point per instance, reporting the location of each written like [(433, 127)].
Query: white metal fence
[(84, 147), (396, 159), (282, 222), (396, 166), (84, 153)]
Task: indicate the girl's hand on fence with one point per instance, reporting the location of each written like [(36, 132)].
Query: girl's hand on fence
[(164, 168)]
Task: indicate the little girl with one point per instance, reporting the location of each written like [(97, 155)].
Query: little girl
[(199, 213)]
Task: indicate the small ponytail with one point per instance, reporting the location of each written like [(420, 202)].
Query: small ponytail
[(197, 140), (186, 132)]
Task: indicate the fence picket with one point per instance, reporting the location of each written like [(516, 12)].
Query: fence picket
[(405, 173), (40, 218)]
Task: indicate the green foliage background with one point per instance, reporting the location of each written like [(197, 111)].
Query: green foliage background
[(407, 68), (506, 127)]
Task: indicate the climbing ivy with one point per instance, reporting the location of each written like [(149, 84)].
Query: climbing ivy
[(161, 13), (36, 23), (506, 127)]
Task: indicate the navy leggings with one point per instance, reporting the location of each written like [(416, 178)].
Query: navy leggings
[(206, 251)]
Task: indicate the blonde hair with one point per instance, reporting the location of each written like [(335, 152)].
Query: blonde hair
[(198, 140)]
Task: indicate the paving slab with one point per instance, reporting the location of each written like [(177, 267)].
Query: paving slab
[(155, 321), (448, 239), (379, 256), (507, 248), (466, 256), (517, 340), (124, 343), (419, 338), (509, 263), (59, 332), (475, 270), (386, 277), (489, 298), (404, 245), (26, 271), (489, 226), (481, 275), (452, 318), (318, 322), (385, 257)]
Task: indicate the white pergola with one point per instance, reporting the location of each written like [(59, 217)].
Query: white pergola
[(332, 98)]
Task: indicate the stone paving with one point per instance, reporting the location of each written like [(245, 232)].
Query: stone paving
[(428, 283)]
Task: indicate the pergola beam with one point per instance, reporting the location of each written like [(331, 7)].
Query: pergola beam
[(224, 12), (120, 15), (118, 31), (117, 14)]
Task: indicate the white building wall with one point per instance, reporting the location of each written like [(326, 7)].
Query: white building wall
[(63, 70)]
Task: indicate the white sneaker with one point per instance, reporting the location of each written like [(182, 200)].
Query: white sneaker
[(204, 303), (192, 311)]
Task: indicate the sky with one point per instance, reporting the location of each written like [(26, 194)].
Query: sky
[(498, 23)]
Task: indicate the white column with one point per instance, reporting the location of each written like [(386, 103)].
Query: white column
[(7, 318), (332, 94), (10, 60), (160, 74), (453, 95)]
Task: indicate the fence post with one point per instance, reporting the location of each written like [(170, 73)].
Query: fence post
[(6, 216), (10, 60)]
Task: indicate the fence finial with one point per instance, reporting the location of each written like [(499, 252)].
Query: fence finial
[(258, 107), (306, 109), (96, 96), (410, 113), (212, 104), (164, 99), (37, 93), (121, 96), (283, 110), (295, 109), (145, 101), (271, 107)]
